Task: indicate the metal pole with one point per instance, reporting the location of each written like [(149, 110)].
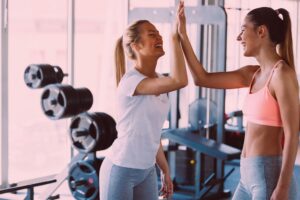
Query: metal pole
[(71, 43), (4, 93)]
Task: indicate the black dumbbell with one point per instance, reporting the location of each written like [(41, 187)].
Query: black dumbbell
[(90, 132), (61, 101), (40, 75)]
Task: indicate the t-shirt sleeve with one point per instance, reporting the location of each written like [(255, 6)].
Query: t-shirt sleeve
[(129, 83)]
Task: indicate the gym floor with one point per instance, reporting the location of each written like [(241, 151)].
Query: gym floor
[(230, 183)]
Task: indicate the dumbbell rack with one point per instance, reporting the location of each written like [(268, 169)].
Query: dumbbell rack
[(89, 132)]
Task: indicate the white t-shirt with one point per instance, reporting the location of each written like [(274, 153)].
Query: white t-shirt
[(139, 122)]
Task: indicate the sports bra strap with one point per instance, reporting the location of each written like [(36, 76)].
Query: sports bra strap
[(271, 74), (251, 83)]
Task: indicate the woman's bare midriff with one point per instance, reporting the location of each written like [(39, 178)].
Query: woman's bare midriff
[(262, 140)]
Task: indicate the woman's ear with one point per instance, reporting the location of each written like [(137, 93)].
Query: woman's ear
[(262, 31), (134, 46)]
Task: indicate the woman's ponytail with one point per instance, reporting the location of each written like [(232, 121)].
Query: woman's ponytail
[(119, 60), (286, 46), (131, 35)]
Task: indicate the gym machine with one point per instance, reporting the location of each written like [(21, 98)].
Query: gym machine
[(234, 129), (89, 133), (197, 153)]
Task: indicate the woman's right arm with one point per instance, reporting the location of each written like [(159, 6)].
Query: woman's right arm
[(178, 74), (177, 78), (225, 80)]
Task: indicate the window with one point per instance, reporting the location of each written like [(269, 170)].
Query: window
[(97, 29), (37, 34)]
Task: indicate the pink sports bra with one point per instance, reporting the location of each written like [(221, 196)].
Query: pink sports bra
[(261, 107)]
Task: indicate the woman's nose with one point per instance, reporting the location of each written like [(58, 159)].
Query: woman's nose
[(239, 38), (159, 38)]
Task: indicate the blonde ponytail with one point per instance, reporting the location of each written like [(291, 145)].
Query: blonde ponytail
[(131, 35), (119, 60)]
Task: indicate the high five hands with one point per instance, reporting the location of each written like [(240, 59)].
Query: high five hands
[(181, 20)]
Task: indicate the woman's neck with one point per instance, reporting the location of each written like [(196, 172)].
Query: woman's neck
[(146, 67), (267, 58)]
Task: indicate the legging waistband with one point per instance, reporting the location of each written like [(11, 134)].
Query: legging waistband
[(261, 160)]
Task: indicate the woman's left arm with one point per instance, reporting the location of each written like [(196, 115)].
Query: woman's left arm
[(286, 91), (167, 184)]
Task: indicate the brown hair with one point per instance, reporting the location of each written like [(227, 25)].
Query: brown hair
[(279, 29), (132, 34)]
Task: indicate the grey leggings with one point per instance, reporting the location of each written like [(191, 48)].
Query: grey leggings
[(122, 183), (259, 176)]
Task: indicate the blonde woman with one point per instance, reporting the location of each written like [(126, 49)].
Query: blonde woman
[(128, 172)]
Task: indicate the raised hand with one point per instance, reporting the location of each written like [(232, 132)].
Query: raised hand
[(180, 19)]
